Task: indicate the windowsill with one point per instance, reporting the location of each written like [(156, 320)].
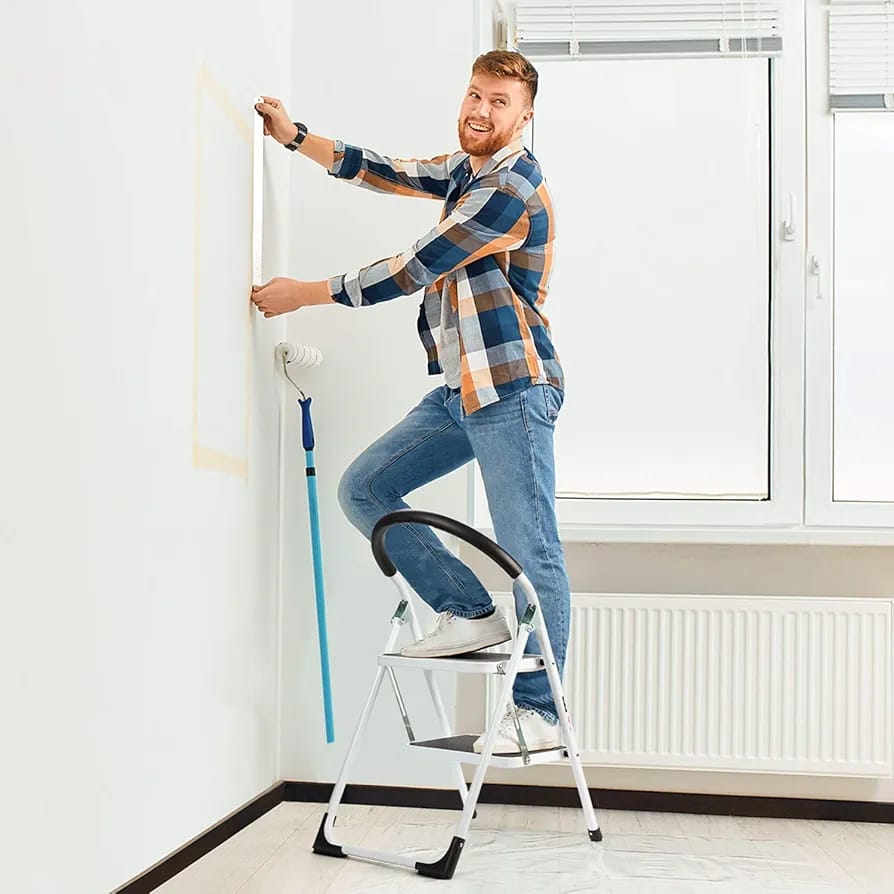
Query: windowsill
[(767, 536)]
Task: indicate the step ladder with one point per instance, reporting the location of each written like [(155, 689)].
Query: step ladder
[(458, 749)]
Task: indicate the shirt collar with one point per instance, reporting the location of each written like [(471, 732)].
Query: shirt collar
[(499, 156)]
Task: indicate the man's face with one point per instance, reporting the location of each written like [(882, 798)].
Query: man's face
[(493, 114)]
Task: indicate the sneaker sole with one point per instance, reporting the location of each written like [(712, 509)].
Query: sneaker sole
[(463, 649)]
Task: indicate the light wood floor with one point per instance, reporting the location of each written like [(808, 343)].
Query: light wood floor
[(518, 850)]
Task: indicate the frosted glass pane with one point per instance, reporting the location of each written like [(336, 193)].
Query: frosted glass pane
[(863, 441), (660, 294)]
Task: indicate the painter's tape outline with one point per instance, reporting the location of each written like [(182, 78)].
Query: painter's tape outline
[(204, 456)]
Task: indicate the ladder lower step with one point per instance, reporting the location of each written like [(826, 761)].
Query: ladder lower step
[(460, 748), (470, 663)]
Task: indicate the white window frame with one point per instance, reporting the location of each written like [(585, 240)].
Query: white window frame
[(820, 508), (780, 518)]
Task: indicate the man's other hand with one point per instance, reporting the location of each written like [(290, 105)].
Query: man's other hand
[(281, 295)]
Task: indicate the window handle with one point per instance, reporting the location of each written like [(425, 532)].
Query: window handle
[(815, 270), (788, 225)]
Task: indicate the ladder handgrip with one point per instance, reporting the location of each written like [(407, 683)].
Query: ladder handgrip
[(491, 549)]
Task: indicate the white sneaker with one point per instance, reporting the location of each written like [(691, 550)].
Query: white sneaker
[(456, 636), (537, 730)]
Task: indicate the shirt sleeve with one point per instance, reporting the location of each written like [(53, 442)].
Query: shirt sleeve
[(428, 178), (485, 221)]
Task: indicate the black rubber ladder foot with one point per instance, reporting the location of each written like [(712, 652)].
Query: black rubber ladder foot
[(446, 866), (325, 847), (595, 834)]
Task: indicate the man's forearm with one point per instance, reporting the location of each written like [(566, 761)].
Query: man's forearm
[(321, 150), (314, 293)]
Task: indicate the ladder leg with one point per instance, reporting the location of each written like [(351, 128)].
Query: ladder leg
[(518, 652), (555, 683), (323, 843), (445, 867)]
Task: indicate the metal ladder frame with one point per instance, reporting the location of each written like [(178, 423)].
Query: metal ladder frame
[(531, 619)]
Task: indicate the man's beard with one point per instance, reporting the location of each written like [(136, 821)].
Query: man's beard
[(484, 144)]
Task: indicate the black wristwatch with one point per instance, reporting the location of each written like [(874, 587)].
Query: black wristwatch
[(299, 137)]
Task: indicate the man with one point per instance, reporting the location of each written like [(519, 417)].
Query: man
[(485, 270)]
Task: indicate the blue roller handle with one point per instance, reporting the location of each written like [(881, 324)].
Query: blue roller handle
[(307, 424), (307, 437)]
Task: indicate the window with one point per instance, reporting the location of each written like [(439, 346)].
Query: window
[(726, 331), (661, 296), (678, 286), (850, 389)]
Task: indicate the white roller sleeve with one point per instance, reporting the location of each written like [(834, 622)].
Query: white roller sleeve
[(298, 355)]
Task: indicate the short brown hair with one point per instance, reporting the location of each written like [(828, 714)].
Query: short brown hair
[(506, 64)]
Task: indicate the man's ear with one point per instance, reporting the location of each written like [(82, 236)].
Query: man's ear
[(526, 119)]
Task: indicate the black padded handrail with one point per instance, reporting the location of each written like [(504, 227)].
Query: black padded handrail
[(451, 526)]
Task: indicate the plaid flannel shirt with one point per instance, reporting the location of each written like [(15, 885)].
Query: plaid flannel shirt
[(490, 255)]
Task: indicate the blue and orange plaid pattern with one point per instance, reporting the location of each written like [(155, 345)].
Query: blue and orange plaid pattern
[(490, 255)]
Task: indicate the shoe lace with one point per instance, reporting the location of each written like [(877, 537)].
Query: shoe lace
[(443, 621)]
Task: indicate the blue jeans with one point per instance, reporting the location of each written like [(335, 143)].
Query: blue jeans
[(512, 441)]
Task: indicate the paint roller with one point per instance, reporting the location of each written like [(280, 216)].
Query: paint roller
[(290, 355), (297, 355)]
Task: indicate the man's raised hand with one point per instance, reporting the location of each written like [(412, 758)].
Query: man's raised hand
[(276, 120)]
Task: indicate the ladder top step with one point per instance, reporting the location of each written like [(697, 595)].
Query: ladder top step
[(470, 663)]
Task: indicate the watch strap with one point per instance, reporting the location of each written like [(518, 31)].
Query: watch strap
[(299, 137)]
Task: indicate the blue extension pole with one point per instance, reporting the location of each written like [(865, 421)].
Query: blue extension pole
[(307, 437)]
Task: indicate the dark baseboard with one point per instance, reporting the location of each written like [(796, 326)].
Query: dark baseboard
[(747, 805), (203, 844), (381, 795), (525, 795), (608, 799)]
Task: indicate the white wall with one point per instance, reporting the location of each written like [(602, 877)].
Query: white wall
[(138, 632), (395, 85)]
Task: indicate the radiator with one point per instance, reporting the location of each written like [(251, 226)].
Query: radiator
[(757, 684)]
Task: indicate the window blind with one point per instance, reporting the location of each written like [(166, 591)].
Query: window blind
[(861, 55), (622, 28)]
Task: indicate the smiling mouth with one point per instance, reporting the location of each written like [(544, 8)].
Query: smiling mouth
[(478, 128)]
